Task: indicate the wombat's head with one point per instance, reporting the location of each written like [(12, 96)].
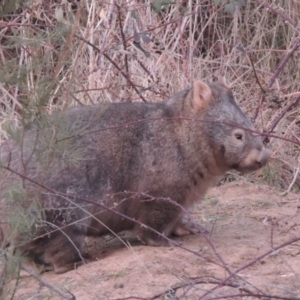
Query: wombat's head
[(230, 133)]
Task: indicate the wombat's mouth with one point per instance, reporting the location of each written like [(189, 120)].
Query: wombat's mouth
[(248, 169), (255, 160)]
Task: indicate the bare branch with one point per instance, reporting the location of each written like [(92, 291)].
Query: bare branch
[(68, 296), (283, 61), (280, 116)]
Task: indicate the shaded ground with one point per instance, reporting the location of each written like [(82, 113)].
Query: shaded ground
[(244, 222)]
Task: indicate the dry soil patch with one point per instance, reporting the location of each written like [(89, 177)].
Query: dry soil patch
[(244, 222)]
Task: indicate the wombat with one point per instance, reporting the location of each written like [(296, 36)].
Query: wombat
[(144, 161)]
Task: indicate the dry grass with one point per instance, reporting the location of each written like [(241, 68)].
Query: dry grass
[(56, 54)]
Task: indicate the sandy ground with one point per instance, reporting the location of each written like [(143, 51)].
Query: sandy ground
[(244, 221)]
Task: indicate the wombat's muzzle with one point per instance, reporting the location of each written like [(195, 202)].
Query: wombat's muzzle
[(263, 157), (254, 160)]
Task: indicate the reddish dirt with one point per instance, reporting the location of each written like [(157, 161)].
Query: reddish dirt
[(244, 222)]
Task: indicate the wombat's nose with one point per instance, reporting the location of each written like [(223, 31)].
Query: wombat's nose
[(263, 157)]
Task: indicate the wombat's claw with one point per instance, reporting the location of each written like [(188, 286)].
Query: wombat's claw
[(46, 268), (67, 267), (141, 240), (199, 229), (175, 243), (186, 228)]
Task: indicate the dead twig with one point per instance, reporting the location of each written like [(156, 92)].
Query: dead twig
[(280, 116), (283, 62), (114, 64), (123, 40), (251, 263), (202, 280), (263, 97), (68, 296), (279, 13), (255, 74), (290, 51), (294, 179)]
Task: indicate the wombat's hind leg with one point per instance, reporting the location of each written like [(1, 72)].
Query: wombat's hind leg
[(68, 260), (63, 253)]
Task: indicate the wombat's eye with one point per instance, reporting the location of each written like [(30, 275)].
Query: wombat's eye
[(238, 136)]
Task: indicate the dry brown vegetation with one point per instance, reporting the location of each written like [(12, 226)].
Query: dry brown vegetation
[(56, 54)]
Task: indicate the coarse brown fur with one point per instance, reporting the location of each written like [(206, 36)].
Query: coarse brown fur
[(145, 161)]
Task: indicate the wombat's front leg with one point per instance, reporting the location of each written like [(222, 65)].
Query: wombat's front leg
[(184, 227), (58, 269), (162, 217)]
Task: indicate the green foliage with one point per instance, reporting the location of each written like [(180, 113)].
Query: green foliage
[(11, 131), (35, 62), (25, 212), (9, 6), (158, 5), (230, 5)]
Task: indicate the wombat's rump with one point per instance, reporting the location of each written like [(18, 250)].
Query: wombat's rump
[(143, 161)]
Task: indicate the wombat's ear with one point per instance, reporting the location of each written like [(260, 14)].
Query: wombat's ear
[(222, 81), (201, 94)]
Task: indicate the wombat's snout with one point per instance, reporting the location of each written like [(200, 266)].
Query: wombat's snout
[(255, 159), (263, 157)]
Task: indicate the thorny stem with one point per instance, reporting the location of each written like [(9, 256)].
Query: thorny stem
[(252, 262), (201, 280), (279, 13), (280, 116), (123, 39), (281, 65), (68, 296), (294, 179), (283, 61)]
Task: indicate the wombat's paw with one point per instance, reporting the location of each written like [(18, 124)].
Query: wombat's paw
[(164, 243), (187, 227), (58, 269), (180, 230), (45, 268), (152, 240), (38, 268)]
